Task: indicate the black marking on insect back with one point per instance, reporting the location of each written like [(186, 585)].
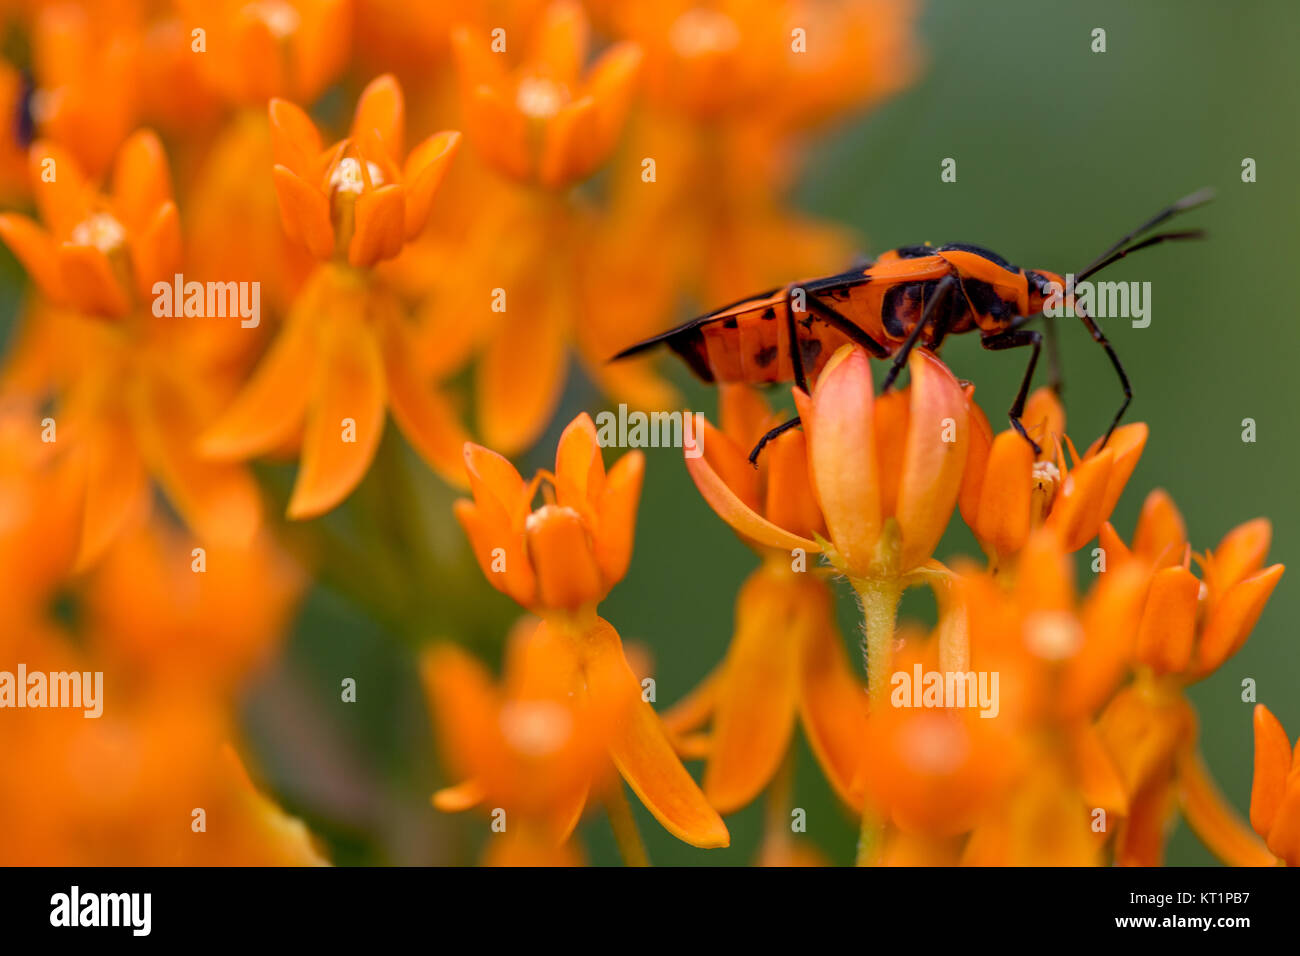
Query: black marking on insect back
[(689, 344), (980, 251), (985, 301), (914, 252), (810, 349), (764, 356), (730, 323), (889, 309), (769, 314)]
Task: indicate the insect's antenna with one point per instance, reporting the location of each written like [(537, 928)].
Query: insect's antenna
[(1152, 241), (1198, 198)]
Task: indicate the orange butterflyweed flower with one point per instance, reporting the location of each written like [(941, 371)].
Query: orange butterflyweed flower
[(559, 561), (539, 123), (533, 749), (786, 658), (1275, 792), (1186, 629), (885, 472), (1057, 659), (353, 201), (132, 392), (1189, 626), (215, 616), (346, 351), (1007, 490), (256, 49), (545, 122), (87, 95)]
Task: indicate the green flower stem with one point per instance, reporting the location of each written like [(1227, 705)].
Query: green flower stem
[(879, 597)]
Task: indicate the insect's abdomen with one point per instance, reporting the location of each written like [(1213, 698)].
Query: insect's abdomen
[(753, 346)]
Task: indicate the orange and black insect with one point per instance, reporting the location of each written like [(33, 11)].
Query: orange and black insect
[(909, 296)]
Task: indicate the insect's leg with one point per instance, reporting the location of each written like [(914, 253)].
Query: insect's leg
[(1100, 339), (796, 355), (774, 433), (942, 292), (836, 320), (1012, 339)]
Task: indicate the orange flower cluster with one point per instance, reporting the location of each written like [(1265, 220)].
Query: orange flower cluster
[(1032, 726), (238, 270)]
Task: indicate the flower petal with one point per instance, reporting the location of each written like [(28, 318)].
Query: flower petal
[(380, 108), (934, 456), (345, 422), (305, 212), (1233, 617), (842, 457), (1272, 762), (380, 225), (424, 172), (755, 708), (642, 751)]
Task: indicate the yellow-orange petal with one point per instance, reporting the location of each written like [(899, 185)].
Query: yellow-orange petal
[(1110, 619), (345, 419), (270, 409), (1100, 783), (567, 153), (789, 502), (423, 173), (1272, 763), (842, 457), (642, 751), (1168, 625), (496, 486), (832, 705), (156, 250), (521, 375), (730, 508), (64, 200), (1211, 818), (1125, 446), (1078, 511), (116, 488), (1241, 552), (559, 550), (579, 468), (617, 508), (612, 84), (462, 796), (380, 108), (304, 212), (1002, 517), (498, 132), (934, 456), (756, 700), (218, 500), (36, 250), (1161, 533), (500, 552), (295, 141), (425, 415), (560, 43), (89, 281), (1233, 617), (380, 225), (141, 180)]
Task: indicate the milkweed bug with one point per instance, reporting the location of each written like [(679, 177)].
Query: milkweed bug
[(908, 296)]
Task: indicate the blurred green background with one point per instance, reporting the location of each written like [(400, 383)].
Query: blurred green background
[(1059, 150)]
